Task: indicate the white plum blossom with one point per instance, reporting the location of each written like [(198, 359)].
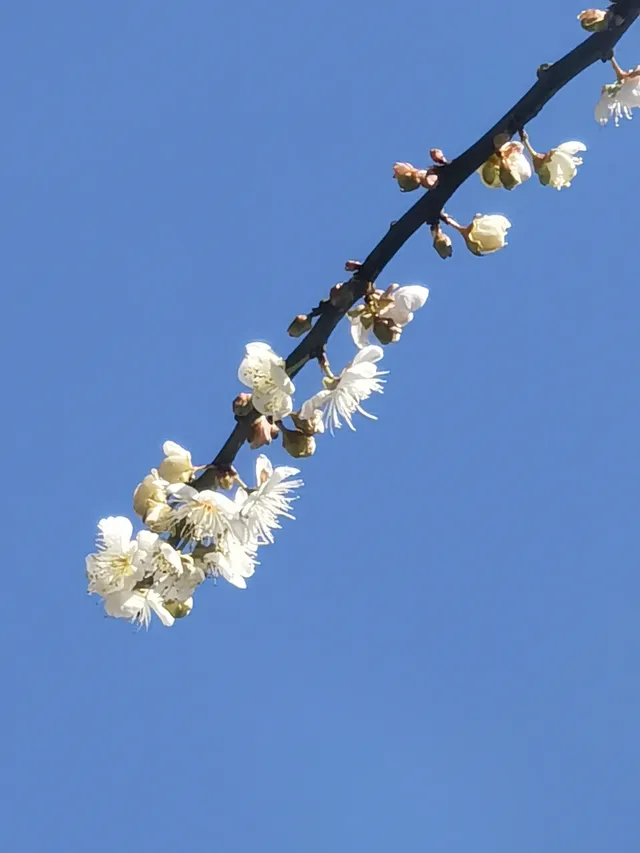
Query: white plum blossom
[(343, 394), (264, 372), (137, 606), (560, 166), (259, 509), (507, 168), (618, 99), (396, 305), (232, 561), (176, 467), (117, 565), (486, 234), (201, 515)]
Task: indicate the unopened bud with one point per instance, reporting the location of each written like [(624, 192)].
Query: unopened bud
[(297, 444), (437, 156), (352, 266), (407, 176), (159, 517), (386, 330), (242, 404), (261, 433), (299, 326), (179, 609), (442, 243), (149, 492), (593, 20)]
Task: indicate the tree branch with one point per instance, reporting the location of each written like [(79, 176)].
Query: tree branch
[(551, 78)]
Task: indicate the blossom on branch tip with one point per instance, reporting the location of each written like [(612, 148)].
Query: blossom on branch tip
[(264, 372), (342, 395)]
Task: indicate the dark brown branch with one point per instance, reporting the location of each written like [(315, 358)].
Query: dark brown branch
[(551, 78)]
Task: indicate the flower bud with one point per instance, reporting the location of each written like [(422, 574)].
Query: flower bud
[(442, 242), (437, 156), (486, 234), (261, 433), (179, 609), (352, 266), (299, 326), (176, 467), (149, 492), (159, 517), (386, 330), (593, 20), (297, 444), (407, 176), (242, 404)]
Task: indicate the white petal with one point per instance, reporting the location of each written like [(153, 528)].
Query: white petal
[(412, 297), (170, 448), (571, 148), (146, 540), (115, 532), (171, 556), (359, 334), (315, 403), (264, 468), (157, 605), (371, 353)]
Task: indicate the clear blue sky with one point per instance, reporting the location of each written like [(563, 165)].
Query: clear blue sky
[(441, 653)]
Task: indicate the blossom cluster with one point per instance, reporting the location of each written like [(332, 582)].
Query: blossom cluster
[(193, 532), (190, 533)]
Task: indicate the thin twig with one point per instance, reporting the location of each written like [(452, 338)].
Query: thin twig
[(551, 79)]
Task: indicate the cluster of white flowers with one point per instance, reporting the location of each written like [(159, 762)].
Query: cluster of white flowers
[(192, 533), (197, 534)]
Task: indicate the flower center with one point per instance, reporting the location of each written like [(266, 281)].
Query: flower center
[(121, 567)]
